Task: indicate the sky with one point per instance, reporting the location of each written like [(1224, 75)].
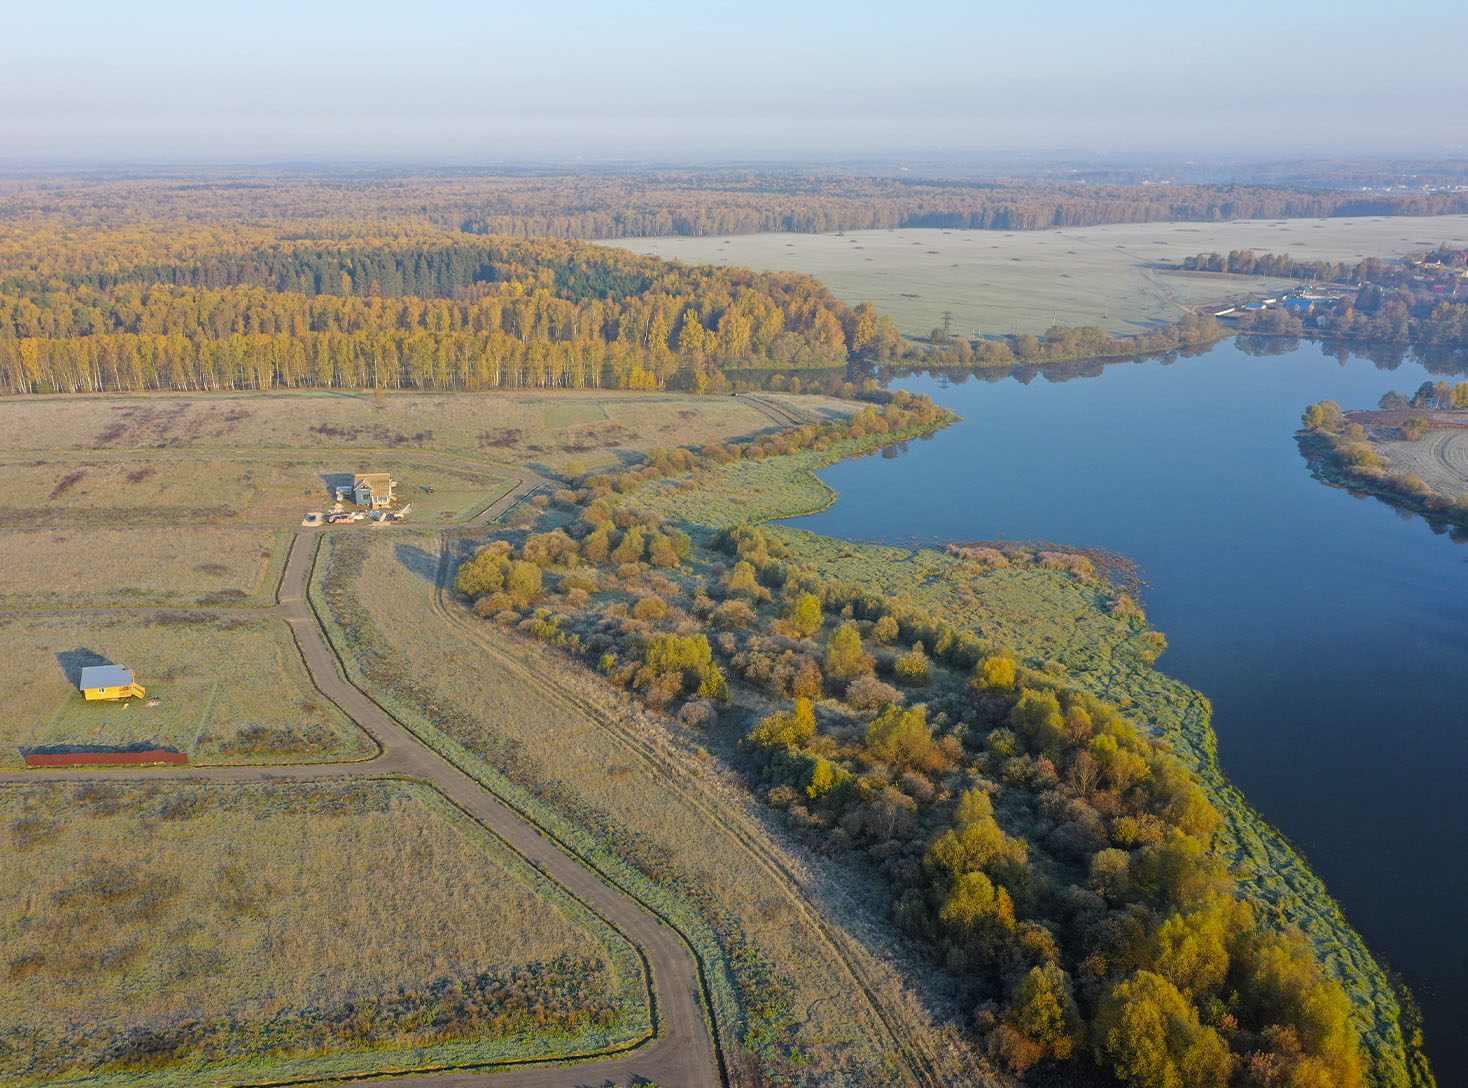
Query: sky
[(628, 80)]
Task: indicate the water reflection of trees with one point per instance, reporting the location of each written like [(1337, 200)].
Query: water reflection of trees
[(1027, 373), (1434, 359), (1458, 534)]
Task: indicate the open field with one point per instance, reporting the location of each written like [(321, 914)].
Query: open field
[(540, 430), (1440, 457), (229, 690), (243, 930), (99, 568), (187, 490), (645, 803), (999, 282)]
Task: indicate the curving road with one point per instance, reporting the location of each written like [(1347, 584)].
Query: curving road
[(681, 1053)]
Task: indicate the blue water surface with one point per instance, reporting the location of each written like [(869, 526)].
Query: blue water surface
[(1330, 631)]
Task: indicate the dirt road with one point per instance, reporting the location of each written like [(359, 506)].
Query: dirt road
[(682, 1053)]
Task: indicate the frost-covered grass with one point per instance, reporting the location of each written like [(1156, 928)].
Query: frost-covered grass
[(205, 933), (228, 690), (998, 282)]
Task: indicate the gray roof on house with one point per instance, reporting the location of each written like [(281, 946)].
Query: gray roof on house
[(105, 676)]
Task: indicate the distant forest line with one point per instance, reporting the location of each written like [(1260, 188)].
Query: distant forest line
[(243, 308), (601, 204), (205, 281)]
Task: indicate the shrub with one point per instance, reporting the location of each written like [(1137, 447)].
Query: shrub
[(742, 579), (699, 714), (789, 730), (1414, 429), (867, 693), (996, 674), (735, 614), (845, 657), (912, 669), (1325, 416), (804, 614), (650, 608), (485, 573), (523, 582)]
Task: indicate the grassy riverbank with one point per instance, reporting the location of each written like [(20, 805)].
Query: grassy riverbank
[(922, 704), (1068, 625)]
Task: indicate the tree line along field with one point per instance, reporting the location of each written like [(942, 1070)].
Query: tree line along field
[(176, 934), (1120, 276), (229, 690), (614, 202), (205, 566), (96, 295), (532, 429)]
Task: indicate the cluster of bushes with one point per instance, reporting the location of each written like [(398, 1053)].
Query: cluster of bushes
[(1060, 863), (1245, 262), (558, 997), (902, 413), (1062, 343)]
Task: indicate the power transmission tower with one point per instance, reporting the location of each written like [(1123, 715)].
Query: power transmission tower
[(947, 324)]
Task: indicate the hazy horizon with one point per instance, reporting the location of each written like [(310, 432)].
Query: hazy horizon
[(90, 83)]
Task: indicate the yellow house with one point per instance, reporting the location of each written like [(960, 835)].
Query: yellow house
[(110, 682)]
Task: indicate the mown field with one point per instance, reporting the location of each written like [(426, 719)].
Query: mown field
[(1440, 458), (241, 932), (187, 490), (649, 808), (997, 282), (228, 690), (545, 430), (128, 568)]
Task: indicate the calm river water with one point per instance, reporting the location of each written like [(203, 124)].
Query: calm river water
[(1330, 633)]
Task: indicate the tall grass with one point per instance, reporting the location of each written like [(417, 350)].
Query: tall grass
[(330, 925)]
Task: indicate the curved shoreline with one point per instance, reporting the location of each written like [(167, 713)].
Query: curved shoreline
[(1254, 843)]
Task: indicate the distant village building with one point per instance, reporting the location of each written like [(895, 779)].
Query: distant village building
[(109, 682), (373, 489)]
